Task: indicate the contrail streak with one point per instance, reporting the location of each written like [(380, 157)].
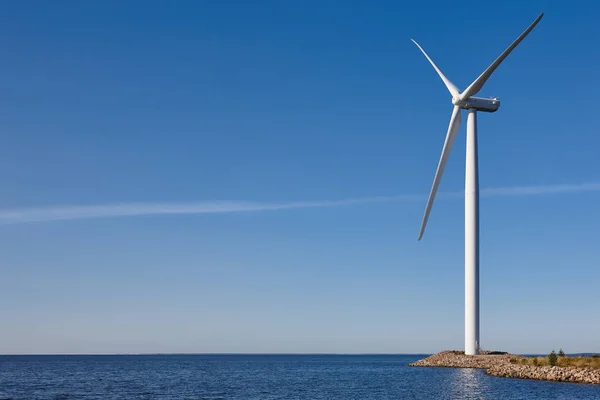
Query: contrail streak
[(71, 212)]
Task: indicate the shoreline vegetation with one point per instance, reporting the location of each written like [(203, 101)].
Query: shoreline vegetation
[(554, 367), (560, 360)]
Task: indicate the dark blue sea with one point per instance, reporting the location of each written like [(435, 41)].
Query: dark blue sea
[(261, 377)]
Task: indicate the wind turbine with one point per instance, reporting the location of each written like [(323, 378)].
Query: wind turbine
[(466, 101)]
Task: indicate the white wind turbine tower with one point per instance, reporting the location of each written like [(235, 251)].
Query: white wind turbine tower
[(465, 100)]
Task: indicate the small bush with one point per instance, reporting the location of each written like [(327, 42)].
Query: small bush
[(561, 353), (535, 361), (552, 359), (595, 356)]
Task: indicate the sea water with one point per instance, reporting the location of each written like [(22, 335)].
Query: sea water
[(261, 377)]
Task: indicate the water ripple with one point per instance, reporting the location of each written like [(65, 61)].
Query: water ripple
[(276, 377)]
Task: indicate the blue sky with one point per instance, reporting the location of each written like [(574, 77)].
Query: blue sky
[(207, 117)]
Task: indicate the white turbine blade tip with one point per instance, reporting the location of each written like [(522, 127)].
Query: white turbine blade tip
[(453, 126), (451, 88), (482, 79)]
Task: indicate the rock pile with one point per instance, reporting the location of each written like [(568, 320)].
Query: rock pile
[(546, 373), (498, 364), (458, 359)]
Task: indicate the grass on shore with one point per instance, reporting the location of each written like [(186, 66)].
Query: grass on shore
[(565, 361)]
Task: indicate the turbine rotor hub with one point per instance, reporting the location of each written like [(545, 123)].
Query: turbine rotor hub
[(457, 101)]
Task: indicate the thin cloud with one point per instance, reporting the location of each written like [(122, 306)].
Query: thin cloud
[(46, 214), (538, 190)]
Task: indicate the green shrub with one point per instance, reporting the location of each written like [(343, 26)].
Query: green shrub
[(595, 356), (552, 359), (535, 361), (561, 353)]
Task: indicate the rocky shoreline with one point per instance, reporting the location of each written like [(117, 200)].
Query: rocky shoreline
[(546, 373), (498, 364)]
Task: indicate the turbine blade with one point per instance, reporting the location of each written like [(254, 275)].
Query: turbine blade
[(480, 81), (451, 88), (450, 136)]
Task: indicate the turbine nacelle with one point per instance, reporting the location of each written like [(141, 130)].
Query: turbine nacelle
[(478, 103)]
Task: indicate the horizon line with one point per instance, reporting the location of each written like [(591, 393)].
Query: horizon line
[(218, 354), (111, 210), (262, 354)]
